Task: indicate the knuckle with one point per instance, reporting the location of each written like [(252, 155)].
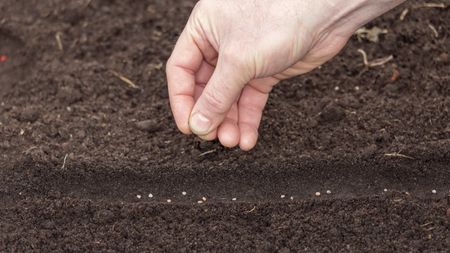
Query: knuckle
[(214, 101)]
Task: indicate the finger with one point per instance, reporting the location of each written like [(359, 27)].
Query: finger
[(251, 105), (181, 67), (228, 131), (212, 135), (222, 90)]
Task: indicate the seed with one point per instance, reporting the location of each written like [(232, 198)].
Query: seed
[(184, 193), (138, 196), (150, 195), (385, 190), (200, 202), (317, 194), (234, 199), (434, 191), (168, 201), (283, 196), (204, 199), (328, 192), (292, 198)]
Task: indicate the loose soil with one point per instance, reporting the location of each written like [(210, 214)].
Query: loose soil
[(78, 145)]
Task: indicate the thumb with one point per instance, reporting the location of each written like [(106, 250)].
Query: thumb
[(221, 92)]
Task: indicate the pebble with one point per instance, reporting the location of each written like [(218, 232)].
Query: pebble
[(317, 194), (148, 126), (29, 114)]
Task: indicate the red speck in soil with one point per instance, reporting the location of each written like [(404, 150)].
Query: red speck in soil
[(3, 58)]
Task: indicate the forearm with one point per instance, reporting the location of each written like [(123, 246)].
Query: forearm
[(346, 16)]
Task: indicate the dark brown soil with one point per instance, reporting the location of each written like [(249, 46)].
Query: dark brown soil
[(78, 145)]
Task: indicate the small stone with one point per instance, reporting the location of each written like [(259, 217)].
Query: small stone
[(29, 114), (148, 126), (331, 113), (317, 194)]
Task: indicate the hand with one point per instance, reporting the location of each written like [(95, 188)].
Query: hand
[(231, 53)]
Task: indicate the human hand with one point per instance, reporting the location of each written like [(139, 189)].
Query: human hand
[(231, 53)]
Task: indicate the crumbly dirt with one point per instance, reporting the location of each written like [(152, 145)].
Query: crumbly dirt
[(78, 144)]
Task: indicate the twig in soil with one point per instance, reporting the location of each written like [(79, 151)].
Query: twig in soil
[(207, 152), (376, 62), (253, 209), (399, 155), (433, 29), (64, 162), (58, 41), (426, 224), (125, 80), (403, 14), (430, 5)]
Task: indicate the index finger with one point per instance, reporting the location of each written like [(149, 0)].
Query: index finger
[(181, 68)]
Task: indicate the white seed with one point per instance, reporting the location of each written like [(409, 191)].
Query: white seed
[(184, 193), (200, 202), (22, 132), (328, 192), (204, 199), (234, 199), (357, 88), (336, 88), (317, 194), (138, 196), (283, 196), (292, 198), (168, 201), (433, 191), (150, 195), (385, 190)]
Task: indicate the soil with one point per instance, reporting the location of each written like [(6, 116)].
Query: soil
[(81, 150)]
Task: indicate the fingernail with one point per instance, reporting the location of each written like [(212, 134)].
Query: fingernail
[(200, 124)]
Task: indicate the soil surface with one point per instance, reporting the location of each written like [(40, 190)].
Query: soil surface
[(90, 164)]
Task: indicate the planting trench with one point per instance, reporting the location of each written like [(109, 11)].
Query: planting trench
[(349, 159)]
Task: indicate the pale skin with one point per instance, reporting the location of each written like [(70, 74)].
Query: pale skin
[(233, 52)]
